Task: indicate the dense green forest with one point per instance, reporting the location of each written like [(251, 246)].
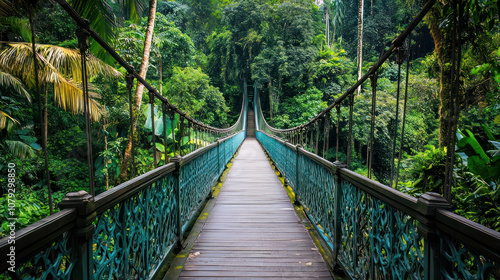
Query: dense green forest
[(301, 55)]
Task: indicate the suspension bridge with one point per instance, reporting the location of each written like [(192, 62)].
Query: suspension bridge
[(251, 201)]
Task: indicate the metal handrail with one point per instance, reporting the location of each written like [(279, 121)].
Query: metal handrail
[(446, 236)]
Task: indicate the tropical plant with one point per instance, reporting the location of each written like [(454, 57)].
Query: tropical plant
[(8, 81), (477, 160), (59, 68)]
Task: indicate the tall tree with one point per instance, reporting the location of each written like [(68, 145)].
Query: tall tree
[(476, 19), (148, 40)]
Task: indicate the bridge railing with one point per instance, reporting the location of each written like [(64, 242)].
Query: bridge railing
[(126, 232), (373, 230), (377, 232), (131, 230)]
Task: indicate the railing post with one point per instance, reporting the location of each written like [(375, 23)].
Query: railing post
[(84, 204), (218, 159), (177, 191), (297, 177), (152, 102), (427, 204), (337, 231)]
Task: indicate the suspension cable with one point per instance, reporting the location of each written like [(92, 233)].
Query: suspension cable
[(371, 144), (401, 144), (83, 37), (399, 61), (152, 102), (41, 108)]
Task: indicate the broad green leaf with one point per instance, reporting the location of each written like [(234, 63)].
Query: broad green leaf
[(488, 132), (497, 119), (160, 147), (471, 147), (35, 146), (496, 152), (159, 122)]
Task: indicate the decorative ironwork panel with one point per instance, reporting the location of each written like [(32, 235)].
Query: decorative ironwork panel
[(378, 241), (56, 261), (233, 145), (134, 236), (317, 193), (289, 165), (228, 148), (459, 261), (284, 157), (396, 247), (197, 178), (355, 225), (222, 156)]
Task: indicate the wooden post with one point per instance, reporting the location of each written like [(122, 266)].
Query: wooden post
[(297, 177), (177, 191), (427, 204), (337, 231), (84, 204)]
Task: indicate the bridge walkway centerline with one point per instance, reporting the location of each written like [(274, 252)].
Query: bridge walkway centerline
[(253, 230)]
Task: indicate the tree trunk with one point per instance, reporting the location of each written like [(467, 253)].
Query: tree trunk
[(360, 40), (140, 87), (42, 108), (334, 28), (444, 57), (160, 73), (271, 103), (327, 29)]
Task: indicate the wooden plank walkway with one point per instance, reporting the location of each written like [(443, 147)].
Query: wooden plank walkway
[(253, 230)]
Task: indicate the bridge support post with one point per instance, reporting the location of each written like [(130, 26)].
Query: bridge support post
[(177, 191), (84, 204), (297, 175), (427, 204), (337, 232), (219, 164)]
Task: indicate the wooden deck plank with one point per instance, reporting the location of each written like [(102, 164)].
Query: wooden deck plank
[(251, 278), (253, 231), (255, 268), (236, 273)]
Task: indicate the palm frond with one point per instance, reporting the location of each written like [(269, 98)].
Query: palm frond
[(7, 8), (55, 65), (5, 119), (18, 59), (69, 96), (21, 26), (7, 80), (19, 148), (101, 18), (134, 9)]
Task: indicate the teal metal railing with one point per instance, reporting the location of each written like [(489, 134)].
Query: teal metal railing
[(129, 231), (137, 224), (376, 232)]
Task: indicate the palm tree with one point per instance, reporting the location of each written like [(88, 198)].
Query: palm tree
[(59, 68), (9, 81), (17, 148)]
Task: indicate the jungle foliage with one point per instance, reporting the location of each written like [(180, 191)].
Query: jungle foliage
[(203, 50)]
